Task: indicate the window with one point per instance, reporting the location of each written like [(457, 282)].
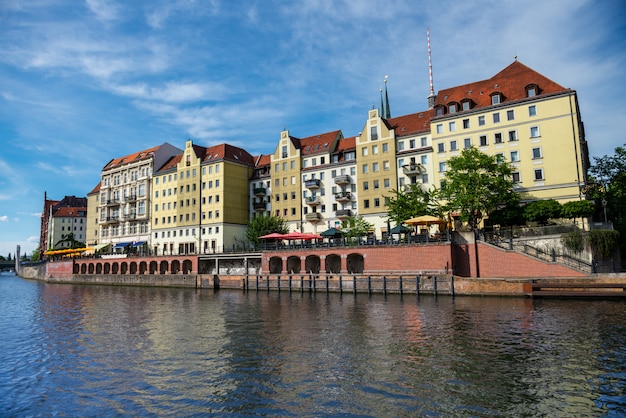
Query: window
[(515, 177), (500, 158), (376, 202), (441, 147), (284, 152), (366, 185), (376, 184), (366, 203), (412, 144), (385, 147), (386, 183), (424, 159), (510, 115), (466, 105), (496, 118), (424, 141), (495, 99), (424, 178), (365, 168), (512, 136), (374, 149), (453, 146), (483, 141), (401, 146), (531, 91), (364, 151), (532, 110), (514, 156), (452, 126), (442, 166), (386, 165), (439, 111), (497, 138), (536, 153), (466, 124), (440, 128), (374, 132), (400, 162), (375, 167), (539, 174), (452, 108), (481, 121), (467, 143), (534, 132)]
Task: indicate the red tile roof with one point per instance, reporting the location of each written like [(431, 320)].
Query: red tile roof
[(317, 144), (171, 164), (262, 160), (412, 124), (96, 189), (137, 156), (346, 144), (510, 82), (70, 212), (228, 152)]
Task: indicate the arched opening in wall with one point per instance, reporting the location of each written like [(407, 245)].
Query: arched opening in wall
[(356, 263), (294, 265), (124, 268), (91, 268), (115, 268), (83, 268), (153, 267), (163, 267), (333, 263), (312, 264), (133, 267), (186, 266), (98, 268), (107, 268), (276, 265), (175, 268), (143, 266), (75, 269)]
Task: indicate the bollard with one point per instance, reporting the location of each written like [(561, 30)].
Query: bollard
[(340, 285), (385, 285), (452, 285), (435, 285), (369, 284), (417, 285), (257, 283), (290, 280), (354, 284), (400, 284), (301, 284)]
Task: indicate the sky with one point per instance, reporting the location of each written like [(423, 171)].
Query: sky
[(82, 82)]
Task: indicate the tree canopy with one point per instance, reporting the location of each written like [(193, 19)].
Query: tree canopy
[(263, 225), (355, 227), (542, 210), (410, 202), (476, 184)]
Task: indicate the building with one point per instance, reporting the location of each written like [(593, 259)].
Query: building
[(63, 223), (201, 201)]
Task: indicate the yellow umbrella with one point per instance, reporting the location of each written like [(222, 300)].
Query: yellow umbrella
[(425, 220)]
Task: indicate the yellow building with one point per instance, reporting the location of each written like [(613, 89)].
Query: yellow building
[(525, 119), (286, 185), (92, 228)]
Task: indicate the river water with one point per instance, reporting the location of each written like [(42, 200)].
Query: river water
[(68, 350)]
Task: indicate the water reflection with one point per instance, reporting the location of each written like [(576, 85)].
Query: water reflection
[(97, 350)]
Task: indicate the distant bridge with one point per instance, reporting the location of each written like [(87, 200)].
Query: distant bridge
[(7, 264)]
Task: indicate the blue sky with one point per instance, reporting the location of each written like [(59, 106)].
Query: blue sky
[(82, 82)]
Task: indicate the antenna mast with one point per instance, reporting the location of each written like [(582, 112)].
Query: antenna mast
[(431, 95)]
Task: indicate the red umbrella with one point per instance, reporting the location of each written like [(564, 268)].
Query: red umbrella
[(300, 235), (273, 235)]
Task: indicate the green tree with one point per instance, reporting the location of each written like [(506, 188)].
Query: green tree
[(542, 210), (577, 209), (355, 227), (508, 215), (35, 255), (69, 238), (476, 184), (410, 202), (263, 225)]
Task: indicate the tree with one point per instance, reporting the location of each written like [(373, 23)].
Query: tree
[(263, 225), (542, 210), (69, 238), (476, 184), (355, 227), (410, 202), (35, 255), (508, 215), (577, 209)]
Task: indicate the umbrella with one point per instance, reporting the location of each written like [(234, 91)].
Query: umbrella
[(273, 235), (400, 229), (331, 233), (300, 235), (425, 220)]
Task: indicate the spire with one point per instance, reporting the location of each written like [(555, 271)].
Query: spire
[(387, 109), (382, 105), (431, 95)]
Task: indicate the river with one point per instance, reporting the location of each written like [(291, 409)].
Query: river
[(76, 350)]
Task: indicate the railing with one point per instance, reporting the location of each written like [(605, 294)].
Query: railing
[(259, 205), (343, 196), (343, 213), (313, 217), (260, 191), (413, 168), (343, 179), (312, 184), (313, 200)]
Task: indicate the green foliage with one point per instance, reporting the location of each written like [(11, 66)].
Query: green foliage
[(542, 210), (69, 238), (35, 255), (577, 209), (509, 215), (410, 202), (263, 225), (355, 227), (574, 241), (476, 184), (604, 242)]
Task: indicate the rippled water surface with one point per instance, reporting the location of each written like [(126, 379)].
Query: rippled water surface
[(96, 350)]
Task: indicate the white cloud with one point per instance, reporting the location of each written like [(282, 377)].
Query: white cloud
[(4, 218), (104, 9)]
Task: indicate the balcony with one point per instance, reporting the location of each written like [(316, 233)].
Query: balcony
[(343, 179), (313, 217), (111, 220), (343, 213), (312, 184), (113, 202), (413, 169), (313, 200), (343, 197), (130, 216), (131, 198), (259, 191), (259, 206)]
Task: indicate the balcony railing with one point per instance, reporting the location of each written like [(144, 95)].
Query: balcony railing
[(343, 213), (130, 198), (343, 179), (413, 169), (313, 217), (113, 202), (312, 184), (260, 206), (259, 191), (313, 200), (343, 196)]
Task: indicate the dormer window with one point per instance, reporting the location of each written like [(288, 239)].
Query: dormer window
[(439, 111), (532, 90), (452, 107), (465, 105), (496, 98)]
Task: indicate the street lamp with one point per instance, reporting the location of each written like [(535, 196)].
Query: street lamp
[(604, 206)]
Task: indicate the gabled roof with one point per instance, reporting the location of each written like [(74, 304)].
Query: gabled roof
[(96, 189), (511, 83), (346, 144), (229, 153), (67, 212), (262, 160), (412, 124), (317, 144), (137, 156), (171, 164)]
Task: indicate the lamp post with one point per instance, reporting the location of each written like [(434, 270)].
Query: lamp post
[(604, 202)]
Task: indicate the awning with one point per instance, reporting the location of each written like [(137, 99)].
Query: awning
[(138, 243), (122, 244), (100, 246)]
